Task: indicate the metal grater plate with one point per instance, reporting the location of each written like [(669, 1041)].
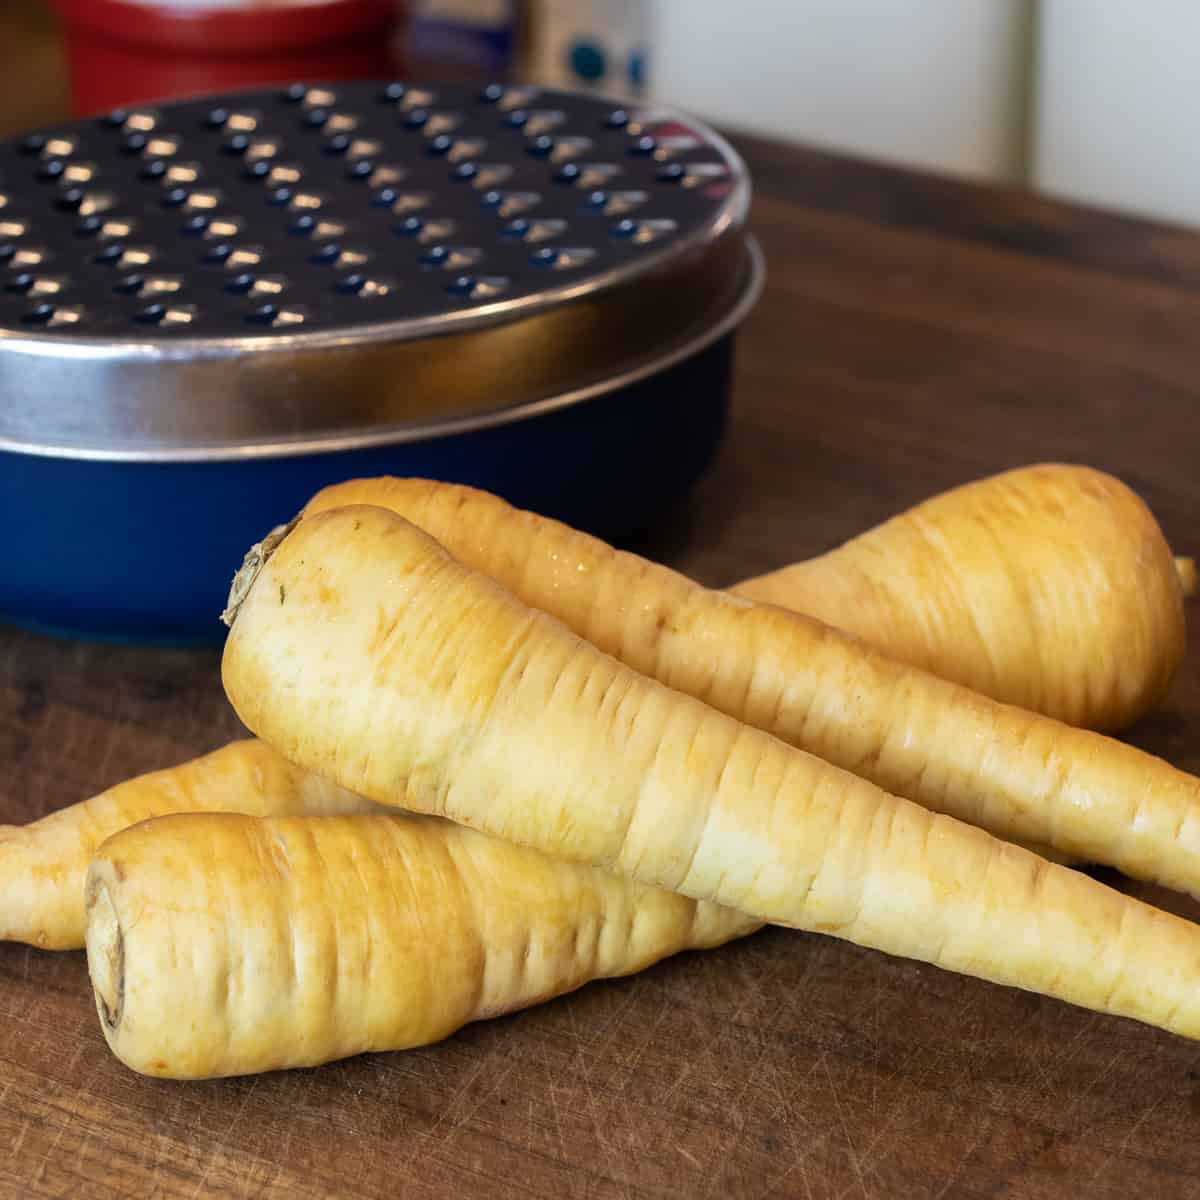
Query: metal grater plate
[(272, 267)]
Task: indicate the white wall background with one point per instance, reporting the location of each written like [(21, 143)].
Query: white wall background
[(1118, 104), (939, 83), (1096, 100)]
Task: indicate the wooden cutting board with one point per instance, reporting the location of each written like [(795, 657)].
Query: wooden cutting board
[(914, 334)]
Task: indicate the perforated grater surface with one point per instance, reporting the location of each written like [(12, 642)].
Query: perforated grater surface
[(329, 266)]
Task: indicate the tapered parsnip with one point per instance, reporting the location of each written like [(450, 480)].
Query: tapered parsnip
[(1050, 587), (225, 945), (1016, 774), (42, 865), (363, 651)]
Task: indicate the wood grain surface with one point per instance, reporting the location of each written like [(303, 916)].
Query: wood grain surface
[(915, 334)]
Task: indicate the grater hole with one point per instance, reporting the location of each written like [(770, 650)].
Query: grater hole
[(28, 256), (216, 118), (152, 314), (393, 93), (264, 314), (96, 202), (293, 93), (236, 145), (162, 147), (135, 143), (491, 174), (283, 174), (40, 314), (268, 285), (153, 171), (52, 170), (181, 173), (59, 147), (64, 314), (315, 118), (478, 288), (70, 200), (408, 202), (415, 98), (140, 121), (35, 143), (543, 121)]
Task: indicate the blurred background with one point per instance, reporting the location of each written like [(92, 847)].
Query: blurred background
[(1092, 100)]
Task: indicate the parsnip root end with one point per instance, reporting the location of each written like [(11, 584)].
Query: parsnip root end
[(106, 956), (246, 574)]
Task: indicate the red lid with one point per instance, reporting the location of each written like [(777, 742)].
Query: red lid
[(236, 31)]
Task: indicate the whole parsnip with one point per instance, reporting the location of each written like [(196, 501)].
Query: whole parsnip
[(1050, 587), (223, 945)]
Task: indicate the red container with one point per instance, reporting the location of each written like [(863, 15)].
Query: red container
[(121, 52)]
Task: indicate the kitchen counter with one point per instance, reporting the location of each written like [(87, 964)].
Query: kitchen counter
[(915, 333)]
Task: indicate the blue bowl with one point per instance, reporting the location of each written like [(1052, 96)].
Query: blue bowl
[(145, 551)]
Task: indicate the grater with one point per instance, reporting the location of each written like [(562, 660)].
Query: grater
[(208, 309)]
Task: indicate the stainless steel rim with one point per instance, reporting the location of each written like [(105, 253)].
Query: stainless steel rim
[(754, 279)]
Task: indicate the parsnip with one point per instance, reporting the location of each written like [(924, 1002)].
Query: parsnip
[(42, 865), (223, 945), (364, 652), (1018, 775), (1050, 587)]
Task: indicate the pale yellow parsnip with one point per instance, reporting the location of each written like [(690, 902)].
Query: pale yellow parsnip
[(364, 652), (223, 945), (1017, 774), (1049, 586), (42, 865)]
